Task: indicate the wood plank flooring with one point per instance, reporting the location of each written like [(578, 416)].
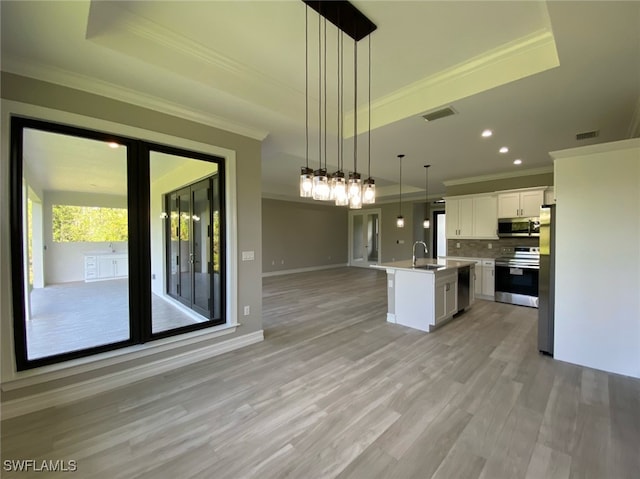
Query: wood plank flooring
[(335, 391)]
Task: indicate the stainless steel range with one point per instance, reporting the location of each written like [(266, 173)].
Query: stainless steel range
[(516, 276)]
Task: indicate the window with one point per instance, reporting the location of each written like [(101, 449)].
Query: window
[(89, 246), (74, 224)]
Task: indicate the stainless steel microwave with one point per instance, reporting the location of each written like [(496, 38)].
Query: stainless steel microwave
[(518, 227)]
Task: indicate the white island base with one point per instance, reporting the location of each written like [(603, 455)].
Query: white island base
[(424, 299)]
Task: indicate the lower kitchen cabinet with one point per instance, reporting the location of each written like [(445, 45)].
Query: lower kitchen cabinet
[(106, 266), (488, 278), (446, 296)]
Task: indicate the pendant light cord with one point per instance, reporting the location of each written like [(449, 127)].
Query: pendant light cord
[(306, 84), (355, 106), (325, 92), (400, 156), (320, 92), (369, 148)]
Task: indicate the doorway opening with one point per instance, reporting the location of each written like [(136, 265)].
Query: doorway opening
[(364, 237)]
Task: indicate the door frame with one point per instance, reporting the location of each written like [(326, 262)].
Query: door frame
[(363, 212)]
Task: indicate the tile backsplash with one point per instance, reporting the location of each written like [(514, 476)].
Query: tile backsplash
[(480, 248)]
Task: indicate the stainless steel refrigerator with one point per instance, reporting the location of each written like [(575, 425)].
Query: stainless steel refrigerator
[(546, 286)]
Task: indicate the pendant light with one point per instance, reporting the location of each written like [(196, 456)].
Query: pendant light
[(400, 218), (426, 223), (369, 193), (317, 184), (338, 182), (306, 173), (321, 188), (355, 181)]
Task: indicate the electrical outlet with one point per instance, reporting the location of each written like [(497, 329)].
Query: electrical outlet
[(457, 245), (489, 246), (247, 310)]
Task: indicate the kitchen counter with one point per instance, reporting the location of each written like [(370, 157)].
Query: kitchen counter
[(425, 296), (441, 263)]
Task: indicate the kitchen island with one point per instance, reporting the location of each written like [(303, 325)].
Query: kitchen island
[(426, 295)]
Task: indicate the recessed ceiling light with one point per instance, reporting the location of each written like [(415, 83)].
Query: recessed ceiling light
[(504, 149), (517, 162), (487, 133), (113, 144)]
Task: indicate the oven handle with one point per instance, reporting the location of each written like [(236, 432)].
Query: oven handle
[(519, 265)]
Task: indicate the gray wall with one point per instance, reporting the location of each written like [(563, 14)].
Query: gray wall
[(392, 236), (302, 235), (249, 205)]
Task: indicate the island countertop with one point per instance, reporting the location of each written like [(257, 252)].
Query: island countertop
[(439, 264)]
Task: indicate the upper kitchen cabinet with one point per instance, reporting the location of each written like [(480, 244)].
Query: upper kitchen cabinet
[(459, 223), (471, 217), (520, 203), (485, 217)]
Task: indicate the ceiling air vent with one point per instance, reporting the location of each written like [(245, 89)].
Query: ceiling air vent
[(587, 134), (437, 114)]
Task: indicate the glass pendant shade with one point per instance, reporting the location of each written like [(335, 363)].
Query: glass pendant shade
[(369, 192), (354, 190), (400, 221), (306, 182), (355, 201), (339, 185), (321, 188), (426, 224)]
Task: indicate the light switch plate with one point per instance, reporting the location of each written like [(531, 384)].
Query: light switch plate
[(248, 255)]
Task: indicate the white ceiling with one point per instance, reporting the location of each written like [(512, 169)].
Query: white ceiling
[(537, 73)]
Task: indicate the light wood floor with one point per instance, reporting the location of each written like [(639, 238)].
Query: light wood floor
[(335, 391)]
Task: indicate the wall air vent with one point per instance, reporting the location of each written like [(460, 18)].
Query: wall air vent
[(437, 114), (587, 134)]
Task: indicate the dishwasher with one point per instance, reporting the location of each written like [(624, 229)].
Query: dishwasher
[(464, 282)]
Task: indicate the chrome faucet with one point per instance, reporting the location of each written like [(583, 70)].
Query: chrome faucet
[(414, 250)]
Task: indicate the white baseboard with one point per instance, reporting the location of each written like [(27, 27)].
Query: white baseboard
[(304, 270), (391, 318), (83, 389)]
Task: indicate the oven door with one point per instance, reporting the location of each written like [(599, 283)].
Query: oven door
[(517, 284)]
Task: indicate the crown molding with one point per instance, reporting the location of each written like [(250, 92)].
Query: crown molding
[(511, 61), (499, 176), (138, 37), (100, 87)]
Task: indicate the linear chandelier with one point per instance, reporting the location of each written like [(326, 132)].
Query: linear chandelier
[(318, 184)]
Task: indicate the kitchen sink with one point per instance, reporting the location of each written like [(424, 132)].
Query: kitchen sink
[(430, 266)]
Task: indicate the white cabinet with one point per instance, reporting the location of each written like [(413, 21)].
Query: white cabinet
[(485, 217), (446, 297), (90, 268), (520, 203), (477, 284), (106, 266), (488, 278), (459, 219), (472, 217), (419, 299)]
